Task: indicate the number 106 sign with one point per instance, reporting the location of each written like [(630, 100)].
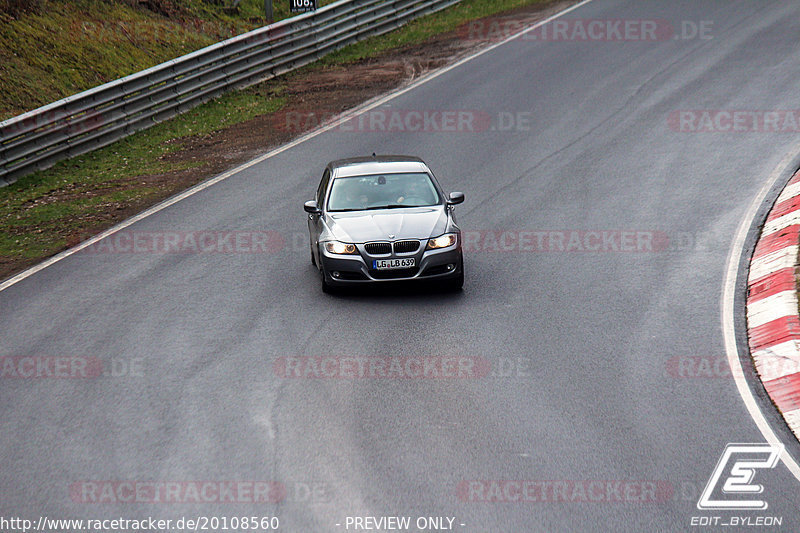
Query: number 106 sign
[(301, 6)]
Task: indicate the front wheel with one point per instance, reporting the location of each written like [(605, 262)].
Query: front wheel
[(327, 288)]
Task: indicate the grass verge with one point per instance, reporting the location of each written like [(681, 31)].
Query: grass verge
[(419, 30), (55, 48)]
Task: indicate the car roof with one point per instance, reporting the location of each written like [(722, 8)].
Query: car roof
[(379, 164)]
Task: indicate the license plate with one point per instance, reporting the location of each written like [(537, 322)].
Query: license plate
[(391, 264)]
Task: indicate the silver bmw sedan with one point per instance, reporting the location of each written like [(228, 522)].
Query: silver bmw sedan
[(382, 219)]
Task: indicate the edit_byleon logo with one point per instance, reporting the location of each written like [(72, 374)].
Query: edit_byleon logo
[(731, 486)]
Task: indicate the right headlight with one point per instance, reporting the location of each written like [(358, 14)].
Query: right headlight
[(448, 239), (340, 248)]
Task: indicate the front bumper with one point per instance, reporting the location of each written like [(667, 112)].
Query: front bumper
[(341, 270)]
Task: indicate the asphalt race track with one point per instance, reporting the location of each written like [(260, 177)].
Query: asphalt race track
[(589, 388)]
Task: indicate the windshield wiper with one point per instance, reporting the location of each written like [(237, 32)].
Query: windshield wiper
[(390, 206), (373, 208)]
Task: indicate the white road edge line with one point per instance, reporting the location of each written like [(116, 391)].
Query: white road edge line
[(213, 181), (727, 304)]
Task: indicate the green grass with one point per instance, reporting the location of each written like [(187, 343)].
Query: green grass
[(68, 197), (70, 46), (424, 28), (32, 244)]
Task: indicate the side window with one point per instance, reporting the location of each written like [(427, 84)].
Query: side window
[(323, 186)]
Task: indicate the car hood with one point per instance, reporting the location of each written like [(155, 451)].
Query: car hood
[(380, 225)]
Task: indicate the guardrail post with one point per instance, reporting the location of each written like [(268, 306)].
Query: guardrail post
[(268, 11)]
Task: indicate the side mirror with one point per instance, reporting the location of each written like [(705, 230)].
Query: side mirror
[(455, 198), (312, 207)]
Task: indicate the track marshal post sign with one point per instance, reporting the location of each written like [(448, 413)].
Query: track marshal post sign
[(301, 6)]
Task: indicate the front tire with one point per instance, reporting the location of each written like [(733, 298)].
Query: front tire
[(327, 288)]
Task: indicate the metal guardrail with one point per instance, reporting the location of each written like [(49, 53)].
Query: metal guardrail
[(98, 117)]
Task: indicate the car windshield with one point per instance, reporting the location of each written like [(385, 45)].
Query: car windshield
[(382, 191)]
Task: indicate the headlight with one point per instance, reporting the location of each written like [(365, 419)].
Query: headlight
[(448, 239), (340, 248)]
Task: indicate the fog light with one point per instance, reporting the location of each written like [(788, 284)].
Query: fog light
[(335, 274), (450, 267)]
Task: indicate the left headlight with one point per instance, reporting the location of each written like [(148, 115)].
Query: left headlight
[(448, 239), (340, 248)]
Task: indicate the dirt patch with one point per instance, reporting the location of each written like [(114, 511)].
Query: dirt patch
[(314, 94)]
